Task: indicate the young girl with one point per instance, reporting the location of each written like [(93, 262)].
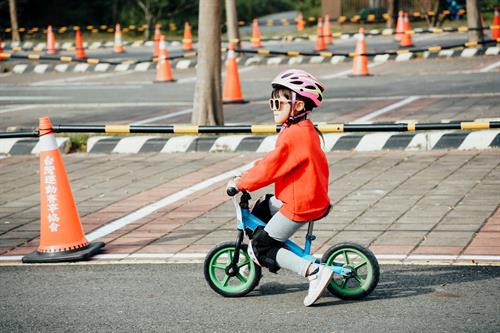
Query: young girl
[(299, 170)]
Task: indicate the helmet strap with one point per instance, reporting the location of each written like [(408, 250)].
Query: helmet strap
[(293, 119)]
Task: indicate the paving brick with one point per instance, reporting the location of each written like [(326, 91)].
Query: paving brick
[(391, 249), (438, 250)]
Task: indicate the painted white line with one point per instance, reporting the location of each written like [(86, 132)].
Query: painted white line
[(145, 211), (490, 67), (31, 98), (131, 145), (16, 108), (167, 116), (396, 97), (178, 144), (373, 141), (196, 257), (193, 78), (386, 109), (344, 73), (227, 143), (424, 141), (81, 78), (103, 105), (478, 140)]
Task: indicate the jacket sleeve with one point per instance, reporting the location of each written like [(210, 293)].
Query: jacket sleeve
[(274, 165)]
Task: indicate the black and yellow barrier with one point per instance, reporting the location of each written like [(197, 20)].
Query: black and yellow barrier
[(327, 54), (90, 61), (257, 129)]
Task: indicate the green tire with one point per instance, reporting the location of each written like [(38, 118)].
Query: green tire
[(216, 263), (366, 271)]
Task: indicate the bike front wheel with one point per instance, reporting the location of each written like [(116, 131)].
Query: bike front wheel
[(225, 281), (364, 266)]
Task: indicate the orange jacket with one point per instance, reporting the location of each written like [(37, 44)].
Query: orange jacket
[(299, 170)]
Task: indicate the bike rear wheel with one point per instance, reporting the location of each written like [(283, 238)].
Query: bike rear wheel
[(364, 266), (218, 275)]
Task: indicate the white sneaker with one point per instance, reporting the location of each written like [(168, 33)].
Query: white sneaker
[(317, 284)]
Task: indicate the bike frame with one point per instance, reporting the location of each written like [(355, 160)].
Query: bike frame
[(246, 220)]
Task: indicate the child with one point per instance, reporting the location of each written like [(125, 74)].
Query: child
[(299, 170)]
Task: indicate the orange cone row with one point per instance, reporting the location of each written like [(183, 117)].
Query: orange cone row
[(232, 87), (163, 69), (61, 233), (187, 41), (495, 28), (360, 62), (256, 42)]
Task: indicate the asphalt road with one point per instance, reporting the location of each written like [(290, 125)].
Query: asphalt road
[(456, 85), (175, 298)]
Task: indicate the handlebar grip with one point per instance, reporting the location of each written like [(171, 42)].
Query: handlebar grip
[(232, 191)]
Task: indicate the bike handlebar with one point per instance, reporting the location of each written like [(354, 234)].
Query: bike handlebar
[(232, 191)]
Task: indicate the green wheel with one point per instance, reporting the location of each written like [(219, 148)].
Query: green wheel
[(365, 269), (223, 279)]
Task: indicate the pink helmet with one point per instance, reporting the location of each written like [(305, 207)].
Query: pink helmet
[(303, 83)]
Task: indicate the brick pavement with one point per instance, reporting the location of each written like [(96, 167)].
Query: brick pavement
[(397, 203)]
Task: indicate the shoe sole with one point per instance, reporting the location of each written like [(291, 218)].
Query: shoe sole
[(322, 291)]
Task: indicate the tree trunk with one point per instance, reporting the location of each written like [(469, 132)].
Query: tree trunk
[(207, 103), (393, 14), (13, 21), (474, 21), (233, 32)]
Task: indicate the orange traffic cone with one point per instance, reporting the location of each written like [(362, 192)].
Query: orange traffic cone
[(320, 41), (79, 49), (156, 39), (406, 41), (163, 70), (1, 49), (400, 26), (327, 31), (256, 43), (360, 62), (51, 41), (495, 27), (187, 41), (232, 86), (61, 233), (300, 22), (118, 47)]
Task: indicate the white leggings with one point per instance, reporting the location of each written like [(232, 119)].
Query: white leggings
[(282, 228)]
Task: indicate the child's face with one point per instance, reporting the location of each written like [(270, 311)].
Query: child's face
[(281, 113)]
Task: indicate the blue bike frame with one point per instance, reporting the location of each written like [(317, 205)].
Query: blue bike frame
[(248, 221)]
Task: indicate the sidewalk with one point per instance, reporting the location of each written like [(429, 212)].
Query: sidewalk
[(406, 206)]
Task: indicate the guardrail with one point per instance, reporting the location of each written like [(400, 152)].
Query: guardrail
[(255, 129)]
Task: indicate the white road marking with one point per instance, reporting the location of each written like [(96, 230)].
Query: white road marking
[(167, 116), (386, 109), (16, 108), (31, 98), (193, 78), (80, 78), (103, 105), (490, 67), (197, 257), (145, 211), (344, 73)]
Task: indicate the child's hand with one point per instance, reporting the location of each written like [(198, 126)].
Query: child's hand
[(236, 180)]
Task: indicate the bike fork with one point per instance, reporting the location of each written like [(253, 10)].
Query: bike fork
[(232, 269)]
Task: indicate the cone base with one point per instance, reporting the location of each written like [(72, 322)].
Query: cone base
[(163, 81), (75, 255), (356, 75), (238, 101)]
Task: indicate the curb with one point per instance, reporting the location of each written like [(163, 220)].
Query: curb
[(250, 61), (29, 146), (460, 140)]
